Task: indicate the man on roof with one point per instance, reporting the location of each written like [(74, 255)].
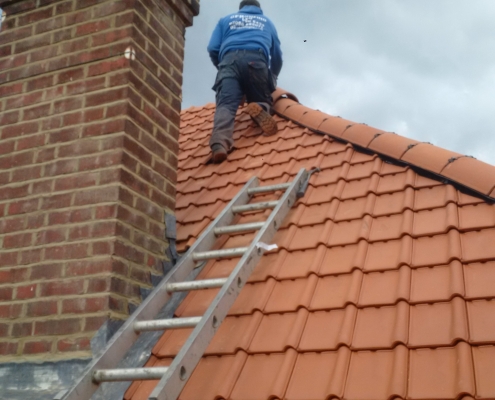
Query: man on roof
[(245, 48)]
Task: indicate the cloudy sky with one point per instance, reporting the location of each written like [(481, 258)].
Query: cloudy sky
[(424, 69)]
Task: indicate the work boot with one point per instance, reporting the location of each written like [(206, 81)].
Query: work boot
[(219, 153), (265, 121)]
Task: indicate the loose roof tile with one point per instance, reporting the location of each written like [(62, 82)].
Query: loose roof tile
[(384, 279)]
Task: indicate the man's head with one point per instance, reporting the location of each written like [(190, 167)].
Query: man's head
[(249, 3)]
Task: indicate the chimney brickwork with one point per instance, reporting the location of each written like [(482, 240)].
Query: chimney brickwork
[(90, 94)]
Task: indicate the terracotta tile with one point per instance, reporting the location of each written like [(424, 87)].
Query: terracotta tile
[(391, 226), (328, 330), (363, 170), (354, 208), (480, 280), (358, 188), (484, 367), (437, 283), (393, 203), (196, 214), (296, 111), (429, 157), (391, 145), (253, 296), (438, 220), (268, 266), (299, 264), (191, 230), (234, 334), (438, 324), (359, 157), (140, 390), (343, 259), (196, 303), (319, 375), (320, 194), (290, 295), (477, 216), (481, 321), (327, 176), (235, 241), (361, 134), (381, 327), (171, 342), (389, 168), (384, 288), (466, 199), (436, 250), (395, 182), (388, 255), (348, 232), (214, 377), (472, 173), (218, 268), (278, 332), (313, 119), (478, 246), (337, 291), (377, 374), (334, 126), (333, 160), (283, 237), (316, 214), (421, 181), (442, 373), (309, 237), (434, 197), (264, 376)]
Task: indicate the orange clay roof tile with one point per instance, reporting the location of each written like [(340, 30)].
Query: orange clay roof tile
[(383, 283)]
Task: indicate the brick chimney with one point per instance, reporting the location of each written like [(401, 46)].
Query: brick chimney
[(90, 96)]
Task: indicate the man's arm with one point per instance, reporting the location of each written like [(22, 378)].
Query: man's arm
[(276, 53), (214, 45)]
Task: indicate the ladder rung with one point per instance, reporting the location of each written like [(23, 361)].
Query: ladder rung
[(253, 226), (254, 207), (196, 285), (226, 253), (161, 324), (129, 374), (271, 188)]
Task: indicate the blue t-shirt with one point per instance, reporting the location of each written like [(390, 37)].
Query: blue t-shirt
[(247, 29)]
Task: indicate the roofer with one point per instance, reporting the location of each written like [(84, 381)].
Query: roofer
[(246, 51)]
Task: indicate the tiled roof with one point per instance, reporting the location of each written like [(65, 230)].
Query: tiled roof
[(384, 282)]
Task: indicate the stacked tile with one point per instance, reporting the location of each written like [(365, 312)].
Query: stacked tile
[(383, 285)]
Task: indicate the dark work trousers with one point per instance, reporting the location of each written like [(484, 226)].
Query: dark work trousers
[(241, 72)]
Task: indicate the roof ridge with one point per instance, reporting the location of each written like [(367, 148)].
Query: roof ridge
[(463, 170)]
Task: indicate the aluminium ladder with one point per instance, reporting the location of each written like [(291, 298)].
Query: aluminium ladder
[(174, 377)]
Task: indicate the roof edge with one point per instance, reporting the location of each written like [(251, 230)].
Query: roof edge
[(466, 171)]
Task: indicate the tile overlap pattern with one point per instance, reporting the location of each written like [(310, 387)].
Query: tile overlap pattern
[(383, 285)]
